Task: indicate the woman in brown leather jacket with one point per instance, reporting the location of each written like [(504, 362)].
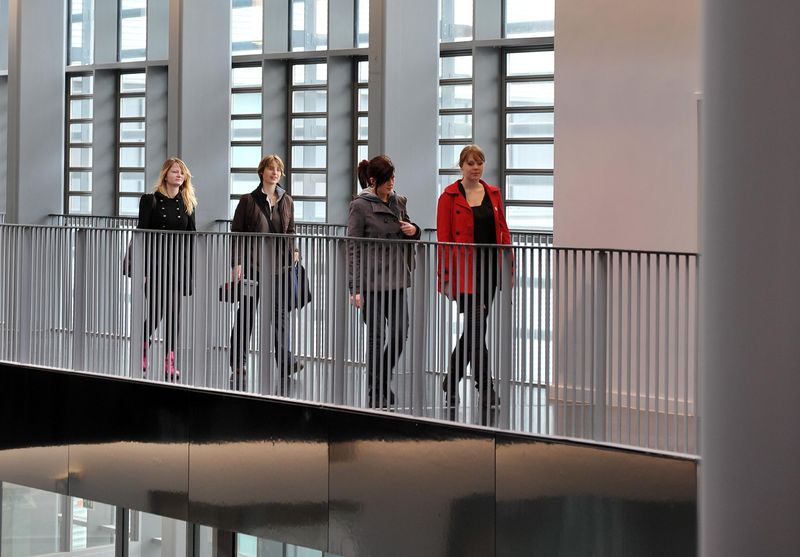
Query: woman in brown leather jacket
[(267, 209)]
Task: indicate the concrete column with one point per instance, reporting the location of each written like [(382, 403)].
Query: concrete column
[(340, 138), (35, 139), (3, 133), (3, 35), (106, 28), (403, 87), (199, 100), (750, 445)]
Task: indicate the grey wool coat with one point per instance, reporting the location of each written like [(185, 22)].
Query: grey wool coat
[(381, 265)]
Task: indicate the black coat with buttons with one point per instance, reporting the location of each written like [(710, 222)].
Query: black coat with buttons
[(168, 257)]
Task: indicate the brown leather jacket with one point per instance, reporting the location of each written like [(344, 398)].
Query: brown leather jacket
[(249, 217)]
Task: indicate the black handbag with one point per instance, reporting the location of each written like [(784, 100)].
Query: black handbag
[(235, 291), (298, 291)]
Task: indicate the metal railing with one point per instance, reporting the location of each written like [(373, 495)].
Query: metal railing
[(582, 343)]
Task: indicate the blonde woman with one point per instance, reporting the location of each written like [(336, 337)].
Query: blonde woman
[(167, 258)]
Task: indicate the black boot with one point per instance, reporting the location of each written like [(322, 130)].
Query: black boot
[(238, 379)]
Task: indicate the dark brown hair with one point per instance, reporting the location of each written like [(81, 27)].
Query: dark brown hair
[(375, 171)]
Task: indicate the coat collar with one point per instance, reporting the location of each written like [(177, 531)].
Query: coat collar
[(452, 189)]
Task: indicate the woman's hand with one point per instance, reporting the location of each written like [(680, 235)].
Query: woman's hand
[(407, 228), (355, 300), (236, 272), (296, 256)]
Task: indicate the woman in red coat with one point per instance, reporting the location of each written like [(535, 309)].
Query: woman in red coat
[(470, 211)]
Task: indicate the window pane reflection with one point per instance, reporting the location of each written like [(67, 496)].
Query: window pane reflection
[(309, 74), (131, 132), (246, 130), (80, 157), (362, 23), (80, 108), (145, 529), (529, 188), (129, 206), (131, 157), (455, 20), (309, 211), (455, 126), (80, 133), (308, 156), (455, 67), (81, 32), (448, 155), (79, 205), (245, 156), (80, 181), (528, 18), (131, 107), (249, 76), (309, 25), (533, 156), (132, 83), (247, 27), (243, 183), (307, 184), (131, 182), (455, 96), (535, 93), (530, 63), (530, 218), (309, 128), (246, 103), (133, 30), (529, 124), (309, 101), (82, 85)]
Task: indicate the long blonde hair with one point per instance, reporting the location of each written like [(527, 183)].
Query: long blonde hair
[(186, 189)]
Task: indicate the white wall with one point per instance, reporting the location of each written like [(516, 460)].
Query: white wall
[(626, 90)]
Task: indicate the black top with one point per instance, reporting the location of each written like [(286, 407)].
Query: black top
[(483, 217), (159, 212)]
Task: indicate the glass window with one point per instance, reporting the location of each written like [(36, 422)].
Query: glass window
[(309, 128), (80, 157), (309, 74), (131, 157), (455, 126), (530, 155), (448, 155), (309, 27), (80, 108), (362, 23), (129, 206), (80, 205), (309, 211), (80, 181), (81, 33), (309, 156), (132, 132), (455, 96), (530, 63), (80, 133), (245, 156), (529, 124), (246, 103), (147, 528), (455, 20), (132, 30), (529, 187), (131, 182), (247, 20), (533, 93), (132, 82), (307, 184), (455, 67), (246, 76), (310, 101), (81, 85), (526, 18), (131, 107), (243, 183), (246, 130), (529, 218)]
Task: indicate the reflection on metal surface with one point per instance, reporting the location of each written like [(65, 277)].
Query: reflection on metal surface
[(353, 483)]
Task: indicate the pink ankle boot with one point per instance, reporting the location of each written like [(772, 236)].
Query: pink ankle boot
[(171, 373)]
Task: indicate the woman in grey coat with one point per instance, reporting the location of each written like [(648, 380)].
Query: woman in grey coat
[(380, 272)]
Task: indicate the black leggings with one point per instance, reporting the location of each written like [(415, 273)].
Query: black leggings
[(386, 316), (471, 347), (163, 303), (243, 330)]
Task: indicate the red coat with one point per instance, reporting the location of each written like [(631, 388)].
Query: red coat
[(454, 223)]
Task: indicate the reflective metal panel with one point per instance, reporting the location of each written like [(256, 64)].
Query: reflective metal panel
[(130, 443), (559, 499), (260, 468), (407, 488)]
